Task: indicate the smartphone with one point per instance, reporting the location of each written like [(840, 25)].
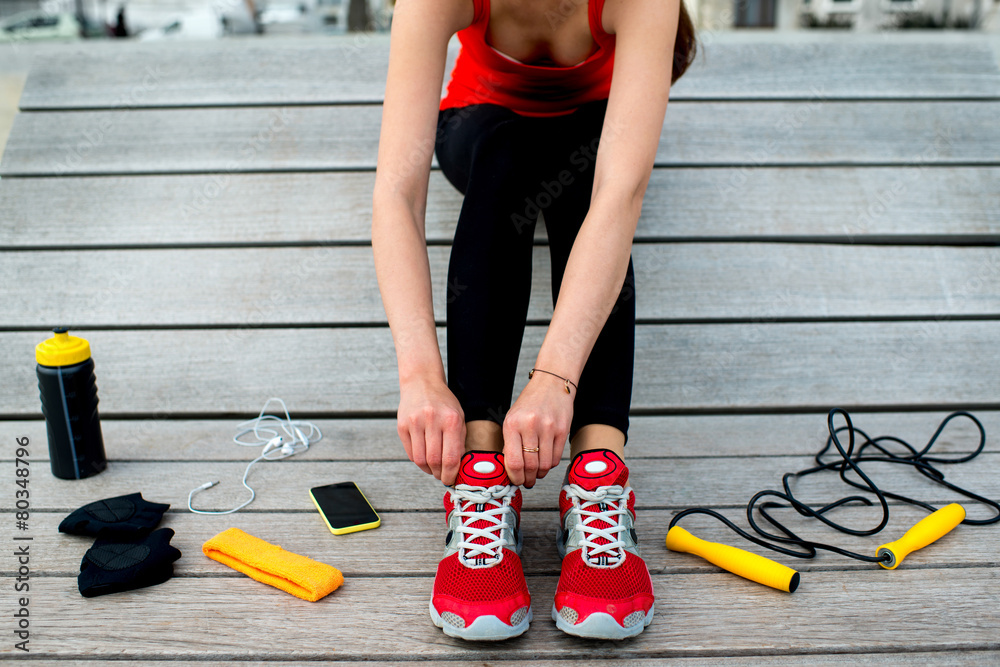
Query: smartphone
[(344, 508)]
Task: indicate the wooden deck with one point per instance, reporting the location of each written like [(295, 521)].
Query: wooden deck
[(820, 231)]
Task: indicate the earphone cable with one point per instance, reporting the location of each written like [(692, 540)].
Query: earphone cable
[(301, 434)]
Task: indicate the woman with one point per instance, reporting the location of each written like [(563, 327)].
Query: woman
[(538, 87)]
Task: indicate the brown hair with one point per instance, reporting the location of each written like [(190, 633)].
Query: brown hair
[(685, 47)]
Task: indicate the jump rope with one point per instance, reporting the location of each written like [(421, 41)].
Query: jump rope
[(928, 530)]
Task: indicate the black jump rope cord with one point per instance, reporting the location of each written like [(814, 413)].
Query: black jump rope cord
[(851, 460)]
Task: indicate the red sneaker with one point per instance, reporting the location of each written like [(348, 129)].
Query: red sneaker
[(479, 590), (604, 589)]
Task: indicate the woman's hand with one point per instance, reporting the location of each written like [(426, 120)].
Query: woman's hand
[(540, 418), (431, 424)]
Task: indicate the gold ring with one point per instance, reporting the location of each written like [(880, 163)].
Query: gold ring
[(530, 449)]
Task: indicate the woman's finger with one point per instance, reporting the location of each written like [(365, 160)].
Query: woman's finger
[(433, 444), (544, 455), (513, 456), (530, 450), (403, 431), (453, 448), (418, 452)]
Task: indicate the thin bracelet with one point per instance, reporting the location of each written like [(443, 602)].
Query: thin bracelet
[(566, 382)]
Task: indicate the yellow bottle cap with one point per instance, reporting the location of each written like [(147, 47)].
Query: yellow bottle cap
[(62, 349)]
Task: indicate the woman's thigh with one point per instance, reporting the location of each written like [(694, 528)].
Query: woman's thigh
[(459, 133), (543, 145)]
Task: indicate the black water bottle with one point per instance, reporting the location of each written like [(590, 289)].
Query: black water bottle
[(68, 390)]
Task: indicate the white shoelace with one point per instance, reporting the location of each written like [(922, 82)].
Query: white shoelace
[(498, 498), (615, 501)]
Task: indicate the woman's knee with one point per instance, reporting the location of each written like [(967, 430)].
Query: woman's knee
[(460, 129), (504, 148)]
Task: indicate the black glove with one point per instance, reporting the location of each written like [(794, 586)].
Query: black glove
[(121, 517), (111, 566)]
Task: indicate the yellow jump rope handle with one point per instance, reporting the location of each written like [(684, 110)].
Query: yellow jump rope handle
[(747, 565), (927, 530)]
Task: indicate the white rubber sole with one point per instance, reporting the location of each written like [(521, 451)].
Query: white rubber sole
[(483, 629), (600, 626)]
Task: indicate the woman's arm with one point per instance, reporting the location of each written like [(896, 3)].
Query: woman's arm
[(595, 272), (430, 421)]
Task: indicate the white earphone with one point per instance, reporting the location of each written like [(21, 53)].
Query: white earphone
[(276, 446), (298, 443)]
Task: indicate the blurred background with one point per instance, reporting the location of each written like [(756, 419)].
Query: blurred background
[(178, 19), (211, 19)]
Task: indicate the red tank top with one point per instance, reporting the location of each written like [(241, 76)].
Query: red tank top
[(484, 75)]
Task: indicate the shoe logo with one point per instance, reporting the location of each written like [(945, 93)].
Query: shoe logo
[(484, 467), (596, 465)]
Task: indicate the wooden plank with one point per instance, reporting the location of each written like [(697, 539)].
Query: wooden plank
[(204, 209), (818, 203), (770, 66), (815, 132), (831, 203), (311, 286), (951, 658), (225, 617), (308, 69), (751, 366), (660, 483), (410, 543), (706, 436), (235, 72)]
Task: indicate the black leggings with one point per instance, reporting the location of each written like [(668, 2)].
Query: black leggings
[(510, 167)]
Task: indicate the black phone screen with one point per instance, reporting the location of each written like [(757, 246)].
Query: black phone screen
[(344, 506)]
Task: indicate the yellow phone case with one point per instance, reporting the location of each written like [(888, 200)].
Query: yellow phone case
[(349, 529)]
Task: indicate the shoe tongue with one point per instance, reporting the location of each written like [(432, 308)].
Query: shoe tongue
[(482, 469), (593, 469), (597, 467)]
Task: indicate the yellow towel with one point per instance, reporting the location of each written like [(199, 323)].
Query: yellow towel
[(270, 564)]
